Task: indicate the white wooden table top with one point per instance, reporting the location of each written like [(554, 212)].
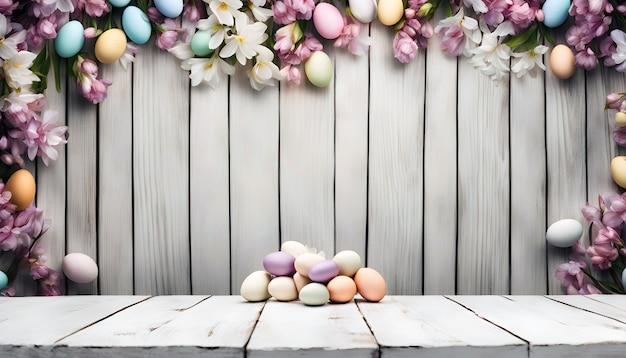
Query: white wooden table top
[(398, 326)]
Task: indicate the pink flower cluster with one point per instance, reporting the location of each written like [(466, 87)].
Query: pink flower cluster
[(595, 36), (413, 34), (607, 253), (19, 231), (617, 101)]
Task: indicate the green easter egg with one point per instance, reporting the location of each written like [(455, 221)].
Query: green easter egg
[(200, 43), (319, 69)]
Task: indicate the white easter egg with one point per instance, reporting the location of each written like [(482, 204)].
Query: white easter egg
[(79, 267), (564, 233), (363, 10), (254, 287)]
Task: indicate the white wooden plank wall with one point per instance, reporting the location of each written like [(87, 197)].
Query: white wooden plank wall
[(442, 179)]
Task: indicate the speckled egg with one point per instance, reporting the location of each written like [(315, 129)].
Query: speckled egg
[(70, 39), (110, 45), (79, 267), (564, 233), (136, 25), (314, 294), (254, 287), (22, 186), (319, 69), (562, 62)]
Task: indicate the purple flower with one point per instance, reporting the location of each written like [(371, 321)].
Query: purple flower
[(572, 275), (603, 251), (586, 59), (619, 135), (404, 47), (91, 87)]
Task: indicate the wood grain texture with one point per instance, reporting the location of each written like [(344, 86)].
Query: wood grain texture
[(254, 178), (167, 326), (422, 326), (440, 170), (307, 157), (589, 304), (351, 145), (287, 329), (209, 192), (81, 206), (115, 184), (528, 185), (161, 174), (395, 187), (483, 184), (565, 145)]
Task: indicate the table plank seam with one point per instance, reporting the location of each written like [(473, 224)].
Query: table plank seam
[(100, 320), (369, 327), (256, 322), (528, 343), (585, 309)]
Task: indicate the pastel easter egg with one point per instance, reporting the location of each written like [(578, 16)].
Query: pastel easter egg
[(279, 263), (283, 288), (327, 20), (349, 262), (370, 284), (363, 10), (319, 69), (136, 25), (254, 287), (620, 119), (314, 294), (555, 12), (79, 267), (341, 289), (200, 43), (169, 8), (323, 271), (305, 261), (70, 39), (4, 280), (390, 11), (119, 3), (22, 186), (562, 62), (293, 247), (564, 233), (618, 170), (110, 45), (300, 281)]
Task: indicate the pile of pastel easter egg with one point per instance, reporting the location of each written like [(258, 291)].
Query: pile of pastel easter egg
[(296, 273)]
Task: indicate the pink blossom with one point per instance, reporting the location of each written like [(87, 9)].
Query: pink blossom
[(603, 252), (404, 47), (91, 87), (352, 36), (291, 73), (166, 40), (572, 276), (586, 59), (93, 8), (283, 14), (615, 214), (303, 8)]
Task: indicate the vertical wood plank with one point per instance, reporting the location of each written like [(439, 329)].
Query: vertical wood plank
[(82, 180), (565, 145), (351, 124), (115, 179), (209, 190), (396, 165), (528, 185), (161, 174), (51, 182), (24, 284), (483, 183), (254, 177), (440, 170), (307, 116)]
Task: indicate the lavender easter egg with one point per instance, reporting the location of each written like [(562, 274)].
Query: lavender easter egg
[(324, 271), (327, 20), (279, 263), (555, 12), (169, 8)]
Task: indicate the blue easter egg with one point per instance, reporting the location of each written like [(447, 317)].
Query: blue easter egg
[(136, 25), (4, 280), (200, 43), (70, 39), (169, 8), (555, 12), (119, 3)]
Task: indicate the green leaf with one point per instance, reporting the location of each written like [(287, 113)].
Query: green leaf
[(57, 74), (522, 37)]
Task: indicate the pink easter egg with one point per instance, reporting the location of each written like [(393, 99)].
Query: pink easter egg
[(327, 20)]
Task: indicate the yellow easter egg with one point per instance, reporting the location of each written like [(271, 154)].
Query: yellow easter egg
[(620, 118), (21, 184), (110, 46), (390, 11), (618, 170)]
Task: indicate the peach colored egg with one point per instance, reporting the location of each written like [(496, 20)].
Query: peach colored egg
[(562, 62), (370, 284), (21, 184), (327, 20), (305, 261), (283, 288), (110, 46), (341, 289), (79, 267), (300, 281)]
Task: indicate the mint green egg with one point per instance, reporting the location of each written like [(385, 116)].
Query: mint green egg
[(70, 39), (200, 43), (319, 69), (4, 280)]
